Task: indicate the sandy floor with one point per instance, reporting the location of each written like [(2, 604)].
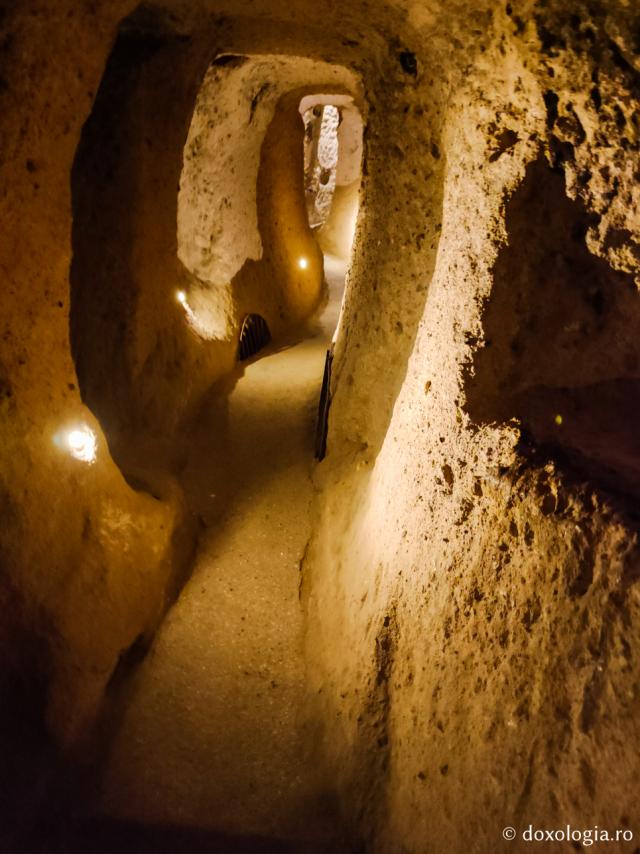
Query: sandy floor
[(214, 732)]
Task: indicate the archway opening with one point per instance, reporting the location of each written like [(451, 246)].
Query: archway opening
[(254, 336), (333, 164)]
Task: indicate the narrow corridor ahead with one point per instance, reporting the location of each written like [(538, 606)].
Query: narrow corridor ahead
[(214, 733)]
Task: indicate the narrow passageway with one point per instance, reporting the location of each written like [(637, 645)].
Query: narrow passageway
[(430, 641), (214, 732)]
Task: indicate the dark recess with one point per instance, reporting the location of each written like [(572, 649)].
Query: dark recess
[(561, 352), (254, 336), (408, 62)]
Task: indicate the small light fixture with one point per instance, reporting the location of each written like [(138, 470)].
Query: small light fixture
[(558, 419), (81, 444), (303, 263), (181, 297)]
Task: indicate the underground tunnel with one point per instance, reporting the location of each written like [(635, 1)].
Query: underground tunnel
[(319, 397)]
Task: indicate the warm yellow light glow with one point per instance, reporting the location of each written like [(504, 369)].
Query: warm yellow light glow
[(181, 297), (558, 420), (81, 443), (303, 263)]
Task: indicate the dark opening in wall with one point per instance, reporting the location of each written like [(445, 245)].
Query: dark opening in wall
[(332, 169), (561, 351), (126, 330), (254, 336), (105, 184)]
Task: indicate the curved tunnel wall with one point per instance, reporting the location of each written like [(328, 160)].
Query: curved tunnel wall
[(496, 608), (286, 284), (86, 561), (139, 363), (470, 563)]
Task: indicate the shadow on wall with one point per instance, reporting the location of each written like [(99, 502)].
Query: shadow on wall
[(27, 750), (108, 837), (102, 298), (139, 362), (561, 349)]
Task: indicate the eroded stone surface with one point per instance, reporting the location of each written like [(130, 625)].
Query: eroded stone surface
[(472, 599)]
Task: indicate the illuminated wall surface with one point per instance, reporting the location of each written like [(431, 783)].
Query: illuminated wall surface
[(428, 641)]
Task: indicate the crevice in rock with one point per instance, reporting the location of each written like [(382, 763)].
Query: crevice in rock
[(561, 353)]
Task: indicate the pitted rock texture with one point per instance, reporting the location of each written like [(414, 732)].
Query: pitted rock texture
[(471, 587)]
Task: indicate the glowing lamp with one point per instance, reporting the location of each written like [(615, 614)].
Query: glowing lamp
[(81, 444), (303, 263)]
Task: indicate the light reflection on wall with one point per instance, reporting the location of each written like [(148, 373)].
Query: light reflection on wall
[(79, 441)]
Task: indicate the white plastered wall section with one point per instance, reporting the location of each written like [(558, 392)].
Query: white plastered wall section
[(217, 204)]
